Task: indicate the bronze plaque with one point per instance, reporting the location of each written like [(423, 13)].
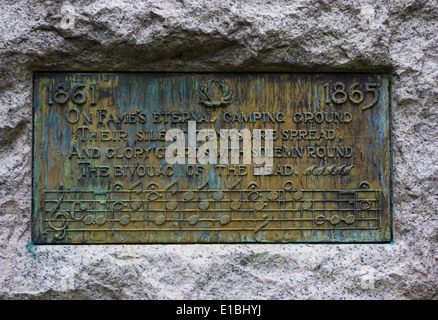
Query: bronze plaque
[(101, 172)]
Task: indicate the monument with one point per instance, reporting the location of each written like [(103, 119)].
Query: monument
[(117, 181)]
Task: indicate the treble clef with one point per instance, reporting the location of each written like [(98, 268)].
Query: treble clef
[(55, 214)]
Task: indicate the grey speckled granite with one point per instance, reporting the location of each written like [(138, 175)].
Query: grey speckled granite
[(315, 35)]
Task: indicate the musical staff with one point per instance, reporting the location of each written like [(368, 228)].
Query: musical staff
[(171, 208)]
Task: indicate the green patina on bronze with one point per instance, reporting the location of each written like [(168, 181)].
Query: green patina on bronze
[(100, 176)]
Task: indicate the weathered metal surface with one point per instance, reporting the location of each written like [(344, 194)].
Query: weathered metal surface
[(99, 173)]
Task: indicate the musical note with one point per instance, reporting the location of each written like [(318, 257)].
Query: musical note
[(170, 205), (236, 204), (225, 219), (189, 195), (335, 219), (125, 219), (100, 215), (297, 195), (204, 204), (273, 195), (306, 205), (117, 208), (73, 210), (159, 220), (219, 195), (135, 199), (153, 195), (100, 220), (259, 205), (193, 219), (349, 219)]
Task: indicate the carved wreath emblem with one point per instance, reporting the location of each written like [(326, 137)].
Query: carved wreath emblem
[(214, 93)]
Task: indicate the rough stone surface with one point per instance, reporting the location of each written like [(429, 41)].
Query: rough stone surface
[(396, 36)]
